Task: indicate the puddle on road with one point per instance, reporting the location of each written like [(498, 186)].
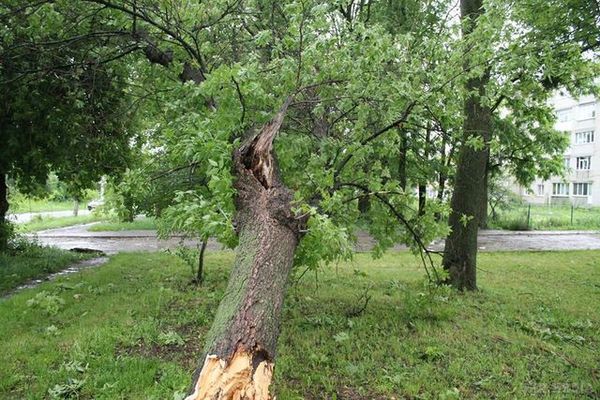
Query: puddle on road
[(77, 267)]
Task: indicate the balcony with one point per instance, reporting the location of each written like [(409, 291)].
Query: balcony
[(581, 175)]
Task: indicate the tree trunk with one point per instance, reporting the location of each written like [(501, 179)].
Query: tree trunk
[(445, 161), (200, 273), (75, 207), (440, 193), (422, 198), (483, 213), (402, 160), (423, 183), (364, 204), (4, 224), (441, 189), (239, 353), (460, 254)]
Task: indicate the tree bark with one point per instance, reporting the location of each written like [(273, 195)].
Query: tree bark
[(239, 354), (402, 160), (422, 187), (75, 207), (4, 224), (441, 189), (483, 213), (200, 272), (440, 194), (460, 254), (364, 204), (445, 161), (422, 198)]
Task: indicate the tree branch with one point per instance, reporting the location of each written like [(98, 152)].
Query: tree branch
[(375, 135), (242, 102), (143, 17), (408, 226)]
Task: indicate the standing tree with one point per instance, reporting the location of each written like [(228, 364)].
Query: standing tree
[(63, 109), (460, 253), (516, 55)]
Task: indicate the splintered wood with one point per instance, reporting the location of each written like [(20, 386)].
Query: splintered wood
[(258, 154), (236, 380)]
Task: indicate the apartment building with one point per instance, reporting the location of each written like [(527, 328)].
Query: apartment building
[(581, 183)]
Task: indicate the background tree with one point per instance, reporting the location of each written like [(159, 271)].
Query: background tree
[(460, 253), (521, 52), (63, 108)]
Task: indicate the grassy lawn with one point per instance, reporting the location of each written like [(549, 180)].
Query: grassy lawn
[(34, 262), (131, 329), (25, 205), (43, 223), (138, 224), (544, 217)]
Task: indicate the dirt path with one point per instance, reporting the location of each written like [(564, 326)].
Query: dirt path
[(113, 242)]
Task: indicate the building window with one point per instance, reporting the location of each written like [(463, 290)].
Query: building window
[(560, 189), (584, 137), (584, 163), (567, 162), (540, 190), (586, 111), (563, 115), (582, 189)]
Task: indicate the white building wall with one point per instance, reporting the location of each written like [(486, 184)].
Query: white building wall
[(574, 115)]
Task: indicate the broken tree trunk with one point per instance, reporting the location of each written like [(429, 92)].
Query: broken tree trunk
[(239, 354)]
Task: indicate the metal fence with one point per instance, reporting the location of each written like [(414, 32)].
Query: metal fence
[(534, 216)]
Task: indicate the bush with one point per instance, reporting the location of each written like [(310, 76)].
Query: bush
[(512, 224), (7, 232)]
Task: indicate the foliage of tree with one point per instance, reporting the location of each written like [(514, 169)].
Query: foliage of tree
[(63, 106)]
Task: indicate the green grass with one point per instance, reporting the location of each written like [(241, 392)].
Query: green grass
[(25, 205), (33, 262), (543, 217), (43, 223), (138, 224), (131, 330)]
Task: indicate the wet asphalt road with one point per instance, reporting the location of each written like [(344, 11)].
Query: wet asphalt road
[(113, 242)]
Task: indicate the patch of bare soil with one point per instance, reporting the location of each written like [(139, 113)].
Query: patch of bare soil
[(183, 355)]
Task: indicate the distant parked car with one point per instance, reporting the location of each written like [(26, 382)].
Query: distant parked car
[(94, 204)]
